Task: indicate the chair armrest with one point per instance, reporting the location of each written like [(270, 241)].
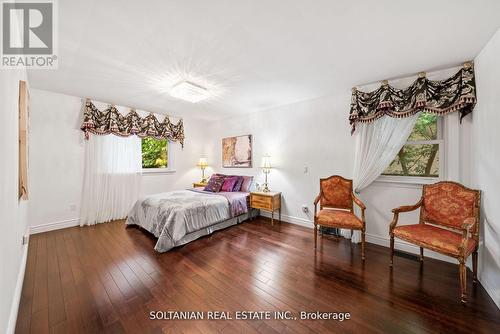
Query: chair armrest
[(405, 208), (316, 200), (361, 205), (358, 201), (468, 224), (408, 208)]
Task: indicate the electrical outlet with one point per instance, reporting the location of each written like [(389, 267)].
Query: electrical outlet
[(305, 209)]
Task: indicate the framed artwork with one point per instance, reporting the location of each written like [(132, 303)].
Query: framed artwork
[(237, 152), (24, 102)]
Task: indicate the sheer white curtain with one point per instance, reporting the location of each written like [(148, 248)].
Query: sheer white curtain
[(377, 144), (112, 178)]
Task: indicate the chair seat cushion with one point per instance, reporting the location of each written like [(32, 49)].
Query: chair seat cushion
[(434, 238), (339, 218)]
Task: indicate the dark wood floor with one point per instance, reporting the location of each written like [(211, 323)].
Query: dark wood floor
[(107, 278)]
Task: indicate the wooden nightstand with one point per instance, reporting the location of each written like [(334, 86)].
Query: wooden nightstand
[(199, 184), (269, 201)]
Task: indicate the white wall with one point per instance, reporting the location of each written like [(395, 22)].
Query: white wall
[(313, 134), (57, 160), (381, 197), (316, 134), (485, 161), (12, 212)]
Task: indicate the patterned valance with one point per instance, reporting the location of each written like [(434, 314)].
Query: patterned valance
[(457, 93), (111, 121)]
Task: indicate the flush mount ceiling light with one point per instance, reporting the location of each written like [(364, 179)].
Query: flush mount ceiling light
[(189, 91)]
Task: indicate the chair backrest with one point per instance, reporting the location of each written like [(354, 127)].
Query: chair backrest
[(336, 192), (449, 203)]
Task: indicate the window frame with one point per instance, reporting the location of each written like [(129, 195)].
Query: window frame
[(162, 170), (442, 160)]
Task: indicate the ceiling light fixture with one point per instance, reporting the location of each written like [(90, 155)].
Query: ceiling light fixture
[(189, 91)]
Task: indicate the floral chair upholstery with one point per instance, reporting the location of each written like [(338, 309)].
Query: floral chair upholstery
[(336, 208), (448, 224)]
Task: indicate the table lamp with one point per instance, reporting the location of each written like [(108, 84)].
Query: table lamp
[(266, 169), (202, 163)]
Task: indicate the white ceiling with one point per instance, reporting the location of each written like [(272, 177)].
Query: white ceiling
[(255, 54)]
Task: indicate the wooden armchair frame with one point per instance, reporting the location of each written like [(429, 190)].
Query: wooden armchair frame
[(354, 199), (470, 226)]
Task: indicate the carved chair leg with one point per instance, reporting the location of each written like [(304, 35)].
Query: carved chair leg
[(474, 267), (421, 254), (392, 249), (315, 235), (463, 281), (363, 244)]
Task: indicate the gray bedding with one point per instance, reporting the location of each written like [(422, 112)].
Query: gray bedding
[(178, 217)]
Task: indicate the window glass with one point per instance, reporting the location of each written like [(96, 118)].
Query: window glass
[(420, 155), (416, 160), (154, 153)]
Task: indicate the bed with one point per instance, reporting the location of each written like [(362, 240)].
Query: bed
[(179, 217)]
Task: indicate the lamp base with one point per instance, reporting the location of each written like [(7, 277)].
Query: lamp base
[(203, 178), (266, 188)]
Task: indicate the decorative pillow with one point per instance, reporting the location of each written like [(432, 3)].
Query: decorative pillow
[(229, 183), (247, 183), (214, 184), (238, 184)]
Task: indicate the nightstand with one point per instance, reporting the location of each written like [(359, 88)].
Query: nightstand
[(199, 184), (267, 201)]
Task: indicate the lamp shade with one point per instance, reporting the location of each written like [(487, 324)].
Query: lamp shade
[(202, 162), (266, 162)]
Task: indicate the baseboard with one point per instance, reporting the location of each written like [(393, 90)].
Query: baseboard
[(14, 309), (290, 219), (490, 289), (54, 226), (371, 238)]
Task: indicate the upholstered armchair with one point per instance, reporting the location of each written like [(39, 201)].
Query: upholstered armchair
[(448, 224), (336, 208)]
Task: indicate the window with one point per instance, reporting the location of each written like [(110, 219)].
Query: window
[(421, 156), (154, 153)]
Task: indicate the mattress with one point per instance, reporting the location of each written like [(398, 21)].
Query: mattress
[(178, 217)]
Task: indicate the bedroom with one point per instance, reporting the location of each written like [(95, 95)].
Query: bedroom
[(114, 113)]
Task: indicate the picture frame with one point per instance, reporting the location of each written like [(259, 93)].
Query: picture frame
[(237, 152), (24, 105)]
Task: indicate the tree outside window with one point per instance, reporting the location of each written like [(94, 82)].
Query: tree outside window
[(154, 153), (419, 157)]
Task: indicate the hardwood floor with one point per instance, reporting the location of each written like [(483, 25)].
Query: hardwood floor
[(108, 278)]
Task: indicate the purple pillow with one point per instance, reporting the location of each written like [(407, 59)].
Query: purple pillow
[(229, 183), (247, 183), (239, 182), (214, 184)]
